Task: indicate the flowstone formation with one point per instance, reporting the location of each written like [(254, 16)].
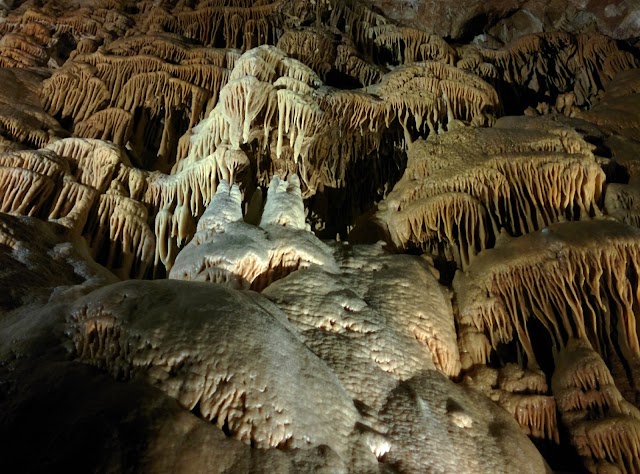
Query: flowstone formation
[(290, 236)]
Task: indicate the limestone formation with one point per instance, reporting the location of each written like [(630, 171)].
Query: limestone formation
[(461, 189), (227, 250), (279, 109), (603, 426), (25, 125), (580, 65), (585, 286), (333, 236)]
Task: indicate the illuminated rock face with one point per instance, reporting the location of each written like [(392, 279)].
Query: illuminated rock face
[(227, 250), (242, 236)]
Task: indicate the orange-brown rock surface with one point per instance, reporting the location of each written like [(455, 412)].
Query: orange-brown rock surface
[(333, 236)]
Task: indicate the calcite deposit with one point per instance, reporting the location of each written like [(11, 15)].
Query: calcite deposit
[(340, 236)]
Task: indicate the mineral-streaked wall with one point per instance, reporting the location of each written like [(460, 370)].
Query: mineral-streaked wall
[(173, 175)]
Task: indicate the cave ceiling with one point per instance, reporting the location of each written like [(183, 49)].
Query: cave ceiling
[(332, 236)]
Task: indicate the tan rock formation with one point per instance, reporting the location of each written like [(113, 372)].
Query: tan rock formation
[(603, 426), (460, 189), (585, 286), (226, 143)]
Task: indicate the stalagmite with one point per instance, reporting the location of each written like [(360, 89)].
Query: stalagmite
[(225, 208), (227, 250), (284, 204), (279, 105)]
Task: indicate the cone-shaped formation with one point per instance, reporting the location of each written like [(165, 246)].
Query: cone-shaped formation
[(603, 427), (572, 280), (227, 250), (284, 204), (179, 199), (225, 208), (461, 188)]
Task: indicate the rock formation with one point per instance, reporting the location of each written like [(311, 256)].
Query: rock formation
[(332, 236)]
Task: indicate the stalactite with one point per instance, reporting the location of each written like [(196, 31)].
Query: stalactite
[(577, 279), (603, 427)]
